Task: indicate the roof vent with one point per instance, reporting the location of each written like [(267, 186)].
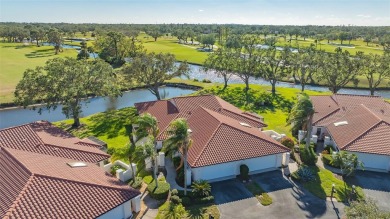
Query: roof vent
[(245, 124), (340, 123), (77, 164)]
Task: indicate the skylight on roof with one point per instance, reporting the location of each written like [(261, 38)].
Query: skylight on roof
[(340, 123), (77, 164), (245, 124)]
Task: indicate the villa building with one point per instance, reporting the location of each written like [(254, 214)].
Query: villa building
[(47, 173), (355, 123), (224, 137)]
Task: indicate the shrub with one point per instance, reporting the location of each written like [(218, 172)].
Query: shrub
[(186, 201), (196, 80), (201, 188), (206, 81), (110, 150), (288, 142), (329, 149), (303, 173), (308, 157), (175, 199), (206, 200), (114, 168), (159, 193), (244, 172), (174, 192), (137, 183), (265, 199)]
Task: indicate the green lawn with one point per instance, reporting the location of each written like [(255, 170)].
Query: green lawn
[(182, 52), (322, 185), (15, 58), (274, 114)]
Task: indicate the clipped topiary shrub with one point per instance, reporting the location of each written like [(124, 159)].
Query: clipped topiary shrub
[(175, 199), (136, 184), (159, 193), (288, 142), (244, 172)]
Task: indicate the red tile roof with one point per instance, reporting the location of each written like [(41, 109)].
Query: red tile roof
[(44, 138), (331, 108), (218, 136), (182, 107), (220, 139), (43, 186), (368, 118)]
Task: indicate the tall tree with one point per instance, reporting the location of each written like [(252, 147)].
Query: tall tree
[(338, 69), (67, 82), (220, 61), (152, 70), (54, 36), (37, 34), (83, 53), (274, 65), (148, 128), (179, 140), (301, 116), (375, 68)]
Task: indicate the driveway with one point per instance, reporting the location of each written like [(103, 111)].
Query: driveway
[(375, 185), (289, 201)]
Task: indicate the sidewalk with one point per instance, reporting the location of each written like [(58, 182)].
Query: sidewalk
[(171, 175)]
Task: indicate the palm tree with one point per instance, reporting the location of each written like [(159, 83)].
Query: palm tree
[(301, 116), (146, 150), (176, 212), (179, 140), (148, 128)]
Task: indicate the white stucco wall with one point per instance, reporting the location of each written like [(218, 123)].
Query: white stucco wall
[(121, 212), (232, 169), (374, 161)]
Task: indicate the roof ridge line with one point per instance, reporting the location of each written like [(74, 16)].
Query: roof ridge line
[(363, 133), (248, 117), (13, 158), (369, 110), (211, 137), (81, 182), (74, 149), (21, 193), (359, 95), (327, 115), (265, 139)]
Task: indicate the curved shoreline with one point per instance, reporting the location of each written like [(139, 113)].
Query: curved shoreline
[(10, 106)]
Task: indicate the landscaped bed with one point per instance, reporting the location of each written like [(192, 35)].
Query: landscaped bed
[(321, 185)]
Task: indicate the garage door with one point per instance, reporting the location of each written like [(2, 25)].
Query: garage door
[(374, 161), (232, 169)]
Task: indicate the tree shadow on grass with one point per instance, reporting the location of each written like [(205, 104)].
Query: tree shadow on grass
[(111, 122), (41, 53)]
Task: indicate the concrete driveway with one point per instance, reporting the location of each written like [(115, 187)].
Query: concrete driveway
[(375, 185), (289, 201)]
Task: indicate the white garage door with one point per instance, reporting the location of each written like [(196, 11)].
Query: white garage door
[(232, 169), (373, 161)]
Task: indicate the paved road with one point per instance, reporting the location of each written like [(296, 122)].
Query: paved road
[(289, 201), (375, 185)]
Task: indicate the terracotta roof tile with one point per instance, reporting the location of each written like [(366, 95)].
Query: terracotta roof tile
[(43, 137), (368, 120), (182, 107), (211, 118), (46, 187), (219, 139)]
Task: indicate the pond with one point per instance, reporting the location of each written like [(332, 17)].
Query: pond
[(18, 116), (196, 72), (65, 46)]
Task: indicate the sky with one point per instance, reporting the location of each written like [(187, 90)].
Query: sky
[(263, 12)]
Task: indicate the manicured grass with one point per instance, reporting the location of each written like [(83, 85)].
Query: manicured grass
[(260, 194), (182, 52), (275, 115), (194, 211), (107, 126), (15, 58), (322, 185)]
